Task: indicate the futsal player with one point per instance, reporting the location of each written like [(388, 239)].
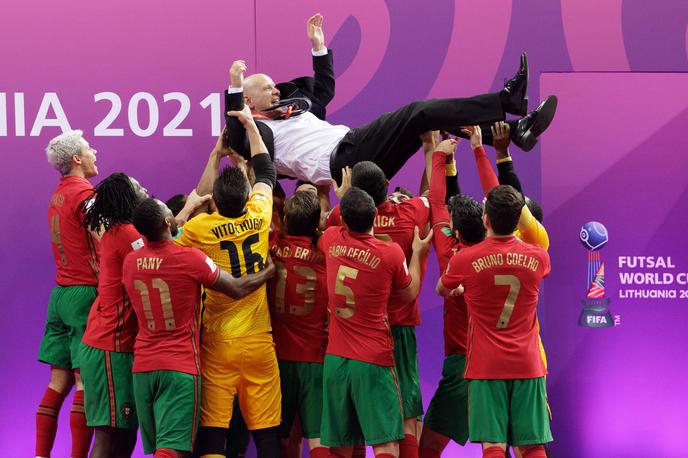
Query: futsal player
[(500, 278), (395, 222), (164, 282), (361, 399), (237, 351), (75, 251), (298, 307)]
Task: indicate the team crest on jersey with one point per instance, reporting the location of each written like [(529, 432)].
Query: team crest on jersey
[(137, 244), (126, 410)]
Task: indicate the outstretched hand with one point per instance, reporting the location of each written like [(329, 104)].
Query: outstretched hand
[(421, 245), (475, 134), (236, 73), (339, 191), (244, 116), (448, 146), (315, 31), (501, 136)]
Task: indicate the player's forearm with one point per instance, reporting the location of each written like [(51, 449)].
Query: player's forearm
[(486, 173), (507, 173), (255, 141), (207, 180), (415, 271)]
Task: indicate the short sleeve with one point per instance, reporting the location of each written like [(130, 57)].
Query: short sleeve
[(397, 262), (546, 264), (334, 218), (421, 210), (260, 205), (325, 239), (455, 275), (202, 268), (131, 240)]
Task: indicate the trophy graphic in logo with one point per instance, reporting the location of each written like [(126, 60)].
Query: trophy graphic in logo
[(595, 313)]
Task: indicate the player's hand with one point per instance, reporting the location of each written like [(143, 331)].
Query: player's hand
[(315, 31), (476, 135), (193, 200), (421, 246), (236, 73), (339, 191), (269, 267), (431, 137), (501, 136), (221, 147), (458, 291), (244, 116), (448, 146)]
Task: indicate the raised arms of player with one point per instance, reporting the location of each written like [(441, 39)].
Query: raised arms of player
[(263, 167), (421, 248), (323, 69), (244, 285), (505, 166)]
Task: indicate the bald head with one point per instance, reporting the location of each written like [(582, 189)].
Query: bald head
[(260, 92)]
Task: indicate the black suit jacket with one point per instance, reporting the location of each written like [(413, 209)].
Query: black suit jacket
[(319, 89)]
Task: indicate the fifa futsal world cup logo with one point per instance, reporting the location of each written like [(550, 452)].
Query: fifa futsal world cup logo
[(595, 313)]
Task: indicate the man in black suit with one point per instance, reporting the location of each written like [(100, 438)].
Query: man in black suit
[(306, 147)]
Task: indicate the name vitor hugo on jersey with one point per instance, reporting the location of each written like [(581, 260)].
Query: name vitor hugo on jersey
[(298, 299), (395, 223), (164, 283), (74, 250), (361, 273), (239, 246), (111, 323), (501, 277)]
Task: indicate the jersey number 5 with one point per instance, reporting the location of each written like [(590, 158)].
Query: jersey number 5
[(343, 290), (514, 287), (165, 301)]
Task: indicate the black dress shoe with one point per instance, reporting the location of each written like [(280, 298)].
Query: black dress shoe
[(529, 128), (513, 95)]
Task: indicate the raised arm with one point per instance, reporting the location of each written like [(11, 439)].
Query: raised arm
[(505, 166), (244, 285), (323, 69), (421, 248), (263, 167), (488, 179)]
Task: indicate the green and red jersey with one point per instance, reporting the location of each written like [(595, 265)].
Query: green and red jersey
[(297, 295), (395, 223), (164, 282), (74, 249), (361, 273), (501, 277), (111, 323)]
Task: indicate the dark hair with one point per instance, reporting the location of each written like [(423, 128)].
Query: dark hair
[(358, 210), (278, 190), (503, 207), (148, 217), (230, 192), (467, 217), (404, 191), (367, 176), (302, 213), (176, 203), (535, 209), (112, 202)]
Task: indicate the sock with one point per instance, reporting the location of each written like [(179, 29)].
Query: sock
[(359, 451), (165, 453), (46, 421), (267, 442), (493, 452), (408, 447), (384, 455), (81, 434), (533, 451), (320, 452), (428, 453)]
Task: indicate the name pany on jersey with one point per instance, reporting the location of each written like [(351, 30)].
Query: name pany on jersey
[(148, 263)]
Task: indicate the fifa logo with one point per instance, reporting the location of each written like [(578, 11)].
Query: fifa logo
[(595, 313)]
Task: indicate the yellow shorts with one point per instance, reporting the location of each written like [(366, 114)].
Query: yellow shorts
[(244, 366)]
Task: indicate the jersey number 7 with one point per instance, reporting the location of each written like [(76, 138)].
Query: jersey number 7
[(514, 287)]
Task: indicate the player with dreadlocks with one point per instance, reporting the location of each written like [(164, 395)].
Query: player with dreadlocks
[(108, 343)]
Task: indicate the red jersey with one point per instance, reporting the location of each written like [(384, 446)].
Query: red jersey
[(446, 245), (112, 324), (297, 295), (501, 277), (395, 223), (74, 249), (164, 282), (361, 273)]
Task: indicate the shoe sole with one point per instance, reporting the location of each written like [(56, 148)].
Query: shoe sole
[(545, 115)]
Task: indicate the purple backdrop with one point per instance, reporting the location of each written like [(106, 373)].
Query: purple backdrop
[(387, 53)]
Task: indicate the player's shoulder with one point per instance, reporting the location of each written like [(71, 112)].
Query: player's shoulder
[(532, 249)]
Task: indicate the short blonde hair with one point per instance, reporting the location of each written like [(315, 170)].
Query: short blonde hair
[(62, 148)]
